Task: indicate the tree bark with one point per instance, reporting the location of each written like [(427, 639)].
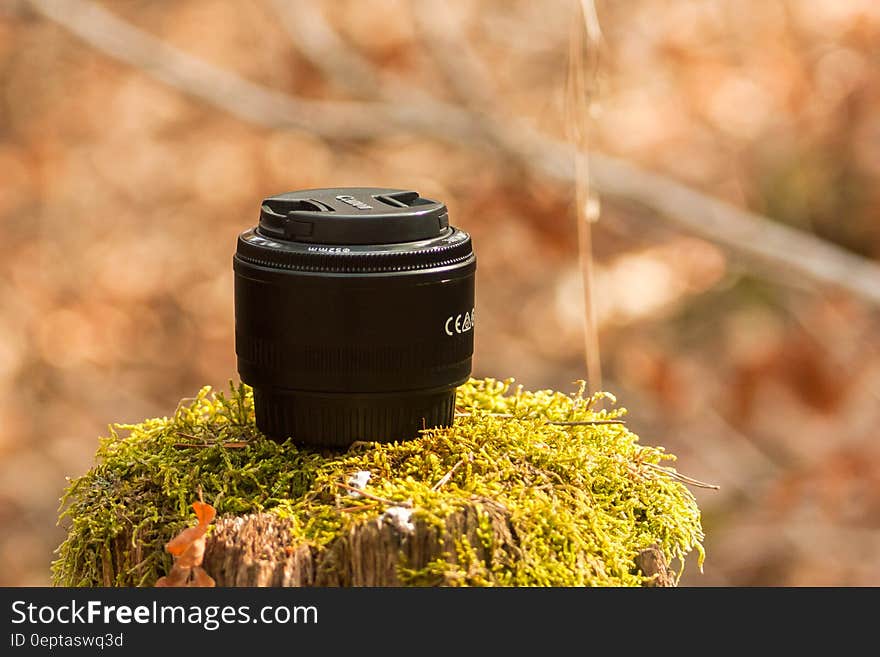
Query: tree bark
[(257, 550)]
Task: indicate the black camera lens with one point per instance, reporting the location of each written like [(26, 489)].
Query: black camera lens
[(354, 315)]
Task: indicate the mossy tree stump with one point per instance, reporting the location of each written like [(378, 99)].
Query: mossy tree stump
[(526, 489), (255, 550)]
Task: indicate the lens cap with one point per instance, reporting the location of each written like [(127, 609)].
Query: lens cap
[(356, 215)]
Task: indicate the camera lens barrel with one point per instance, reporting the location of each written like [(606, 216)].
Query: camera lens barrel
[(354, 315)]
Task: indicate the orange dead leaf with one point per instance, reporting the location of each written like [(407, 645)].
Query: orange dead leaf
[(193, 554), (205, 513), (184, 540), (188, 549)]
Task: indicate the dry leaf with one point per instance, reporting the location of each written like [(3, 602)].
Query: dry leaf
[(188, 549)]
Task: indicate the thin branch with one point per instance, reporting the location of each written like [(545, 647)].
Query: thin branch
[(242, 98), (358, 507), (318, 41), (560, 423), (584, 423), (758, 239), (320, 44), (235, 444), (406, 503), (583, 40), (445, 478), (504, 415), (205, 445), (671, 472), (442, 31)]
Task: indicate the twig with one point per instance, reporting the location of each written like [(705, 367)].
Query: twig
[(360, 507), (680, 477), (321, 45), (504, 415), (584, 37), (234, 445), (561, 423), (753, 236), (318, 41), (406, 503), (442, 31), (578, 423), (784, 254), (779, 249), (248, 100), (445, 478)]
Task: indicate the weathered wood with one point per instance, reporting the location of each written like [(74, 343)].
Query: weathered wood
[(652, 563), (256, 550)]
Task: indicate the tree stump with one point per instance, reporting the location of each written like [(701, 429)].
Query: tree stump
[(526, 489), (256, 550)]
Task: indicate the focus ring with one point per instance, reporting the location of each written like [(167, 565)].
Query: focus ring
[(254, 249)]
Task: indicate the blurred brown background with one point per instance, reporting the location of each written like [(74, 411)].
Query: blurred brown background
[(137, 138)]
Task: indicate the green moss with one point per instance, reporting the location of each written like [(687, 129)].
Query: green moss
[(579, 499)]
